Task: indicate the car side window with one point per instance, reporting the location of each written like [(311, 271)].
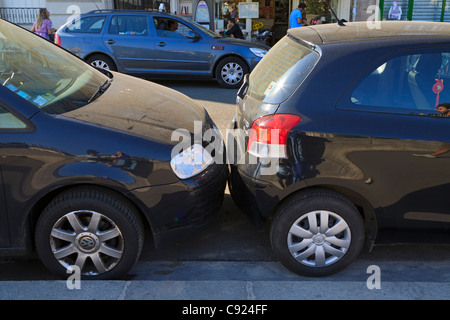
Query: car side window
[(10, 121), (406, 82), (129, 25), (87, 25), (171, 28)]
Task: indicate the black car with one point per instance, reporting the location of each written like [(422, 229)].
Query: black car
[(91, 159), (344, 137)]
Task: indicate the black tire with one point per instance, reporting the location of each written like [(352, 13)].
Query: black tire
[(230, 72), (93, 225), (303, 242), (102, 61)]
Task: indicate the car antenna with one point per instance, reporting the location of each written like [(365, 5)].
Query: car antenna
[(95, 3), (339, 21)]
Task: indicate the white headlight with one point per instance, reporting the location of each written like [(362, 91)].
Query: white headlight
[(191, 162), (258, 52)]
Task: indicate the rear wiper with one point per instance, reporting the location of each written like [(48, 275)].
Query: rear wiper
[(100, 90)]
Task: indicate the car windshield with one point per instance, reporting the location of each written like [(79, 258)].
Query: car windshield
[(202, 28), (43, 74), (281, 71)]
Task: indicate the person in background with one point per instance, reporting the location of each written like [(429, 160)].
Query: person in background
[(233, 29), (171, 32), (395, 12), (43, 25), (295, 19), (234, 11)]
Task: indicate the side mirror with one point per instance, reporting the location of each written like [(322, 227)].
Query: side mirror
[(193, 35), (244, 87)]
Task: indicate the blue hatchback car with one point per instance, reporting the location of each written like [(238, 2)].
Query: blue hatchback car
[(156, 44)]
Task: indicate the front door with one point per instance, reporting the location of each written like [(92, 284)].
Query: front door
[(176, 53), (9, 126), (407, 167)]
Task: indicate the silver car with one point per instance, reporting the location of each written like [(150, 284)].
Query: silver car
[(159, 45)]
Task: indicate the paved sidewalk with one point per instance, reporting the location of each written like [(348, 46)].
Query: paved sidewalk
[(244, 280)]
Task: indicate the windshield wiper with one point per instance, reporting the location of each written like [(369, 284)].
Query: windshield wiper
[(100, 90)]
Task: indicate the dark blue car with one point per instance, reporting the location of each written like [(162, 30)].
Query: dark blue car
[(157, 44), (88, 161)]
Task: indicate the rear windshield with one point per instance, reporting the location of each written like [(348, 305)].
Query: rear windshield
[(281, 71), (43, 74)]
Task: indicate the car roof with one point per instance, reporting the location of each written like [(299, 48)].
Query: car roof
[(133, 11), (361, 31)]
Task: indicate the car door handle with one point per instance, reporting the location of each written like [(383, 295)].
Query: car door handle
[(110, 41), (162, 44)]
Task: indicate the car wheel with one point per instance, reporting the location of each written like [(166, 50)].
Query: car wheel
[(317, 233), (102, 62), (91, 229), (230, 72)]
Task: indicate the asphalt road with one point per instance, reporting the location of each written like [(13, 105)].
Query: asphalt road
[(231, 260)]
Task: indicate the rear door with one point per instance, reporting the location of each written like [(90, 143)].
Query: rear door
[(178, 54), (130, 41), (84, 36)]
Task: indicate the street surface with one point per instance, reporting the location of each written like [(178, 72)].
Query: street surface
[(231, 260)]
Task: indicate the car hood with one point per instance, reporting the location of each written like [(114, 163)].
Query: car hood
[(142, 108), (242, 43)]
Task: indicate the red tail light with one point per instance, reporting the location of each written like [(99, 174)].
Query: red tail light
[(269, 134), (57, 39)]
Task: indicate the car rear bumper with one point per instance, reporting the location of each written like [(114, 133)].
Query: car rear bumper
[(254, 197)]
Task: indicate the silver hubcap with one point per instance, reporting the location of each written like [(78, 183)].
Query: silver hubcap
[(100, 64), (319, 238), (232, 73), (87, 239)]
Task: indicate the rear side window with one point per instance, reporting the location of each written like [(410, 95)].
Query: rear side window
[(129, 25), (281, 71), (416, 81), (87, 25)]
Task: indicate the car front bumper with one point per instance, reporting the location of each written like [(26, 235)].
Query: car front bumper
[(178, 211)]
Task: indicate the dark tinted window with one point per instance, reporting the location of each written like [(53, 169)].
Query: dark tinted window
[(407, 82), (87, 25)]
